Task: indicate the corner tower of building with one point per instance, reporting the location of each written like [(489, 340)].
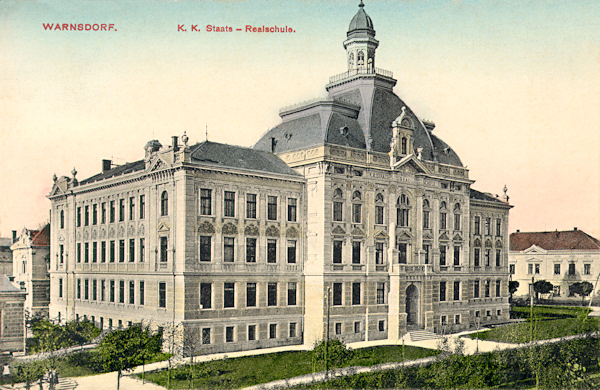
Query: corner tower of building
[(361, 43)]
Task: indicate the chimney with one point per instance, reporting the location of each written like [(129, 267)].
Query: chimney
[(14, 236), (273, 144), (575, 229), (106, 165), (518, 231), (175, 148)]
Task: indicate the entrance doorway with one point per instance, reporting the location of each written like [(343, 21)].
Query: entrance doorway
[(412, 305)]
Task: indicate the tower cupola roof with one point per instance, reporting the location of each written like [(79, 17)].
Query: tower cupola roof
[(361, 23)]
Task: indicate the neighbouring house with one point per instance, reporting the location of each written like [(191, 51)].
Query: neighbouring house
[(6, 264), (560, 257), (12, 318)]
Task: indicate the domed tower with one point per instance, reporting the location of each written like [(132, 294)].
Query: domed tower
[(361, 43)]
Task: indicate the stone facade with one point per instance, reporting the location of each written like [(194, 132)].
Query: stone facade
[(12, 317)]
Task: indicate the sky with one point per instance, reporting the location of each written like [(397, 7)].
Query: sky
[(513, 86)]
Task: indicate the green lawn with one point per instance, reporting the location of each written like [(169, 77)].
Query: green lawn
[(549, 322), (252, 370)]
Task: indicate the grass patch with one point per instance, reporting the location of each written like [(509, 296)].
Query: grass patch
[(548, 312), (252, 370)]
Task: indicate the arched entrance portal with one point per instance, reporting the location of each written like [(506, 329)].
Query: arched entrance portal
[(412, 305)]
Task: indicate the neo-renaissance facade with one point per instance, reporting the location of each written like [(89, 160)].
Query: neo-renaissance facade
[(350, 213)]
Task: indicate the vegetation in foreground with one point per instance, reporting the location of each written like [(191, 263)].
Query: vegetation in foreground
[(252, 370), (50, 337), (567, 365), (548, 322)]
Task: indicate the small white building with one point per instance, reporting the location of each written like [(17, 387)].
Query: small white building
[(562, 258)]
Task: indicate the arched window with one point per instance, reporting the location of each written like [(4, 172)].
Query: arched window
[(338, 205), (62, 219), (338, 194), (379, 209), (164, 203), (378, 198), (356, 207), (403, 145), (443, 216), (356, 195), (402, 207), (442, 205), (457, 217), (351, 61), (425, 214), (361, 58)]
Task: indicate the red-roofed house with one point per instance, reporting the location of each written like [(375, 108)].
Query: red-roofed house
[(562, 258), (31, 259)]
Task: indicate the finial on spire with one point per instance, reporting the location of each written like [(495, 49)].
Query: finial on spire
[(361, 4), (185, 139)]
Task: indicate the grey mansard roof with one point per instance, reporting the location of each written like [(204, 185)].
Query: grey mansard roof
[(124, 169)]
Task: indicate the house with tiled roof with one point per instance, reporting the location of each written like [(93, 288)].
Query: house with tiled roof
[(560, 257), (12, 323), (31, 261)]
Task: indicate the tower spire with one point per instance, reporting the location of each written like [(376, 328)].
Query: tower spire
[(360, 44)]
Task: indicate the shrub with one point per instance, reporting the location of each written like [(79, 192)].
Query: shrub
[(337, 353)]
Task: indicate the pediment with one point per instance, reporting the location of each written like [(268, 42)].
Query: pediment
[(292, 232), (404, 236), (381, 235), (251, 230), (535, 249), (158, 164), (163, 227), (229, 229), (206, 228), (57, 191), (357, 232), (444, 237), (272, 231), (410, 164), (338, 231), (457, 237)]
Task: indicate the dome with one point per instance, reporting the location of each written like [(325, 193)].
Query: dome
[(153, 145), (361, 21)]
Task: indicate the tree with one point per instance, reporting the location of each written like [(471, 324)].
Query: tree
[(120, 349), (192, 342), (513, 285), (542, 287), (335, 352), (583, 289)]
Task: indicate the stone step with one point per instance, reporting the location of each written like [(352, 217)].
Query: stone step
[(422, 335)]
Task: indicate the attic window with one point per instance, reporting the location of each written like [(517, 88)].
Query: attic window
[(356, 172), (344, 131), (444, 185), (287, 136), (340, 170)]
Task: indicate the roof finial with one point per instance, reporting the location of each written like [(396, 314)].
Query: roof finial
[(206, 131), (361, 4)]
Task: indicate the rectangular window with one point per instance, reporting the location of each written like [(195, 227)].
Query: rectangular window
[(537, 269), (251, 206), (456, 291), (251, 332), (250, 250), (443, 255), (78, 216), (529, 268), (380, 293), (477, 226), (476, 289), (131, 208), (103, 212), (250, 294), (205, 201), (163, 249), (337, 252), (457, 221), (142, 206), (402, 216), (498, 257), (292, 330), (379, 253), (94, 289), (111, 215), (571, 268), (556, 269), (381, 326), (488, 227), (205, 248), (121, 251), (228, 252), (356, 293), (121, 210), (337, 211), (271, 251), (61, 253), (425, 219), (131, 250), (444, 320), (291, 294), (272, 331), (476, 257), (379, 212), (292, 206), (356, 212), (94, 252), (456, 256), (142, 293), (162, 294), (271, 294), (112, 291), (95, 214), (60, 287), (443, 221), (78, 253), (356, 326), (86, 289), (498, 287), (103, 251), (337, 294), (102, 290), (511, 269), (291, 251), (488, 256), (205, 335), (121, 291), (229, 334), (78, 288), (142, 250), (271, 208), (587, 268), (487, 288), (442, 291), (427, 249), (402, 248), (229, 204), (86, 252), (131, 292), (228, 295), (205, 295), (355, 252), (498, 227), (457, 318), (338, 328)]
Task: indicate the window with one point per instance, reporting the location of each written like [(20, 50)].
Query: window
[(164, 203), (381, 326), (142, 207), (162, 294), (456, 255), (62, 219), (427, 250), (121, 251), (337, 252), (78, 216), (131, 250), (380, 293), (498, 257), (250, 294), (61, 253), (443, 320), (272, 331), (356, 212), (291, 294), (402, 208), (205, 201), (487, 288), (205, 295), (488, 222), (271, 294), (379, 253), (205, 335), (271, 251), (402, 252), (142, 250), (142, 293), (337, 294), (131, 292), (530, 268), (95, 214), (78, 288), (476, 257), (457, 318), (457, 221), (442, 255), (511, 268), (229, 204), (131, 208), (537, 269), (250, 205), (556, 269), (291, 252), (356, 326), (95, 252), (292, 329), (443, 221), (356, 293), (488, 255), (337, 211), (60, 287), (476, 289), (271, 208), (379, 211), (121, 210), (78, 253), (571, 268), (498, 286), (498, 227), (355, 252), (229, 334), (587, 268), (228, 295), (442, 291), (86, 252), (292, 206), (103, 212), (102, 290), (456, 291), (250, 250), (121, 291), (251, 332), (228, 252), (477, 226), (112, 211), (425, 214), (205, 248), (86, 289), (338, 328)]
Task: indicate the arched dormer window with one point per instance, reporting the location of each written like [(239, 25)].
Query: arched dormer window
[(338, 194), (62, 219), (378, 198), (356, 207), (164, 203), (404, 145), (443, 205), (338, 205), (457, 216), (356, 195), (426, 212), (402, 210), (379, 209)]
